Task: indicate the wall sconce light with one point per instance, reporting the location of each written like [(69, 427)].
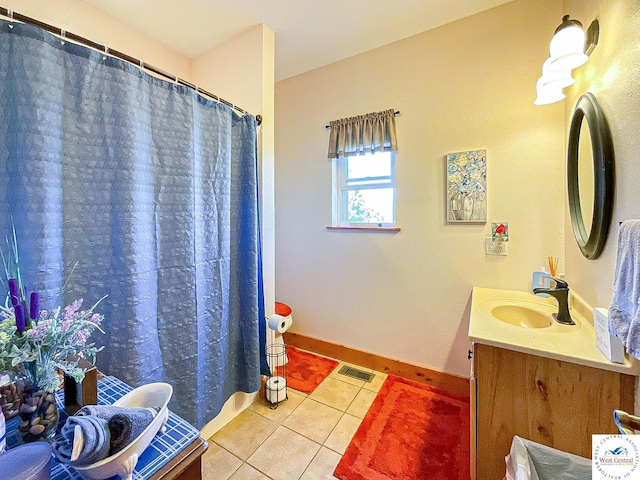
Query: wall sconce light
[(555, 78), (569, 48), (566, 50)]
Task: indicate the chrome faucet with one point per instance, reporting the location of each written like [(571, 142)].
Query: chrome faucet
[(561, 294)]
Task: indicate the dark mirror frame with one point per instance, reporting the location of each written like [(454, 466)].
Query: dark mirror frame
[(591, 245)]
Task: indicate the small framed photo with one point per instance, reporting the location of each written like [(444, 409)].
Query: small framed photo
[(467, 187), (500, 231)]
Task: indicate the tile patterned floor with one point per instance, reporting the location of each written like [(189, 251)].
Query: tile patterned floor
[(303, 439)]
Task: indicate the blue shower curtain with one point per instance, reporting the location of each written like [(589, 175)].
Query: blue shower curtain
[(152, 190)]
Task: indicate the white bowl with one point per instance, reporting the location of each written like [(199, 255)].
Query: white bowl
[(123, 462)]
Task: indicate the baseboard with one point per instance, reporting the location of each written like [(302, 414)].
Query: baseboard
[(445, 381)]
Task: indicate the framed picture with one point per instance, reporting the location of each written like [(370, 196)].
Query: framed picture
[(467, 187)]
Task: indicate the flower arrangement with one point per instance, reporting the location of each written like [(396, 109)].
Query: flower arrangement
[(42, 348), (39, 343)]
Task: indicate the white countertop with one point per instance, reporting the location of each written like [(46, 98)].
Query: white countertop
[(574, 344)]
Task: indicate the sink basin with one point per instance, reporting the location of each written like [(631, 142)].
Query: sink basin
[(522, 310), (521, 316)]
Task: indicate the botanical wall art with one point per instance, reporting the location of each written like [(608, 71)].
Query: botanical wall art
[(467, 187)]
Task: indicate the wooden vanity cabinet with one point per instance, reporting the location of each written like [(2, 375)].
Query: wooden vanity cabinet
[(553, 402)]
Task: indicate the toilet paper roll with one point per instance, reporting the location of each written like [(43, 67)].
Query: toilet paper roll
[(279, 323), (276, 390)]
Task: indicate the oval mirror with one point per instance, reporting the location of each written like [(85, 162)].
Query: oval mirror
[(590, 176), (586, 175)]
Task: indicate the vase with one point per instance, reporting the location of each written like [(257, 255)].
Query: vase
[(10, 395), (39, 414)]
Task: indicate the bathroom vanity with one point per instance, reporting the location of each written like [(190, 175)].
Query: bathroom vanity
[(537, 380)]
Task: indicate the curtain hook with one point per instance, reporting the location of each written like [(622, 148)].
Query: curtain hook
[(10, 15), (106, 52), (141, 64), (63, 34)]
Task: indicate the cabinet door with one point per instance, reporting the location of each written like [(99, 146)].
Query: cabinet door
[(556, 403)]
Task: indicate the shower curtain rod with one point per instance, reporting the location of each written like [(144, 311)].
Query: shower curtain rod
[(115, 53)]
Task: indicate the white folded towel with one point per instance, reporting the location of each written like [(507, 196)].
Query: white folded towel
[(624, 315)]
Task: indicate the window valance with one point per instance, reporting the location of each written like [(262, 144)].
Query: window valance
[(372, 132)]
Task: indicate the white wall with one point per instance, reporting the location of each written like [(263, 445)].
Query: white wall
[(233, 70), (467, 85), (612, 74)]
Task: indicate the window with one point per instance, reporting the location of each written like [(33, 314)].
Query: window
[(364, 190)]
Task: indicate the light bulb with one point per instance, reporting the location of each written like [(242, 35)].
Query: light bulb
[(566, 50)]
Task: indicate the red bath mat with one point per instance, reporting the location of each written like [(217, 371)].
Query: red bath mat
[(305, 370), (411, 432)]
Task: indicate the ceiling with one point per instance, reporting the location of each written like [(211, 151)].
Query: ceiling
[(309, 33)]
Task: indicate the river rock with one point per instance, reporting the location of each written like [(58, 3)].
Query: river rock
[(36, 429), (25, 408)]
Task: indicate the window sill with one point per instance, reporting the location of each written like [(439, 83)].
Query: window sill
[(367, 229)]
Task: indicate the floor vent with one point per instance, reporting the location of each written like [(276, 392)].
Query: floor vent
[(355, 373)]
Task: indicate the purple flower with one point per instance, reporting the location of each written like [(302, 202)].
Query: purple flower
[(44, 326), (14, 291), (40, 331), (20, 323), (95, 318), (70, 310), (75, 305), (35, 306), (81, 337)]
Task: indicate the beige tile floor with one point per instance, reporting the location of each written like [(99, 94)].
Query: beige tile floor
[(303, 439)]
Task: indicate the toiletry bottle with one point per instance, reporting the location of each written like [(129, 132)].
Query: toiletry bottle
[(538, 280)]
